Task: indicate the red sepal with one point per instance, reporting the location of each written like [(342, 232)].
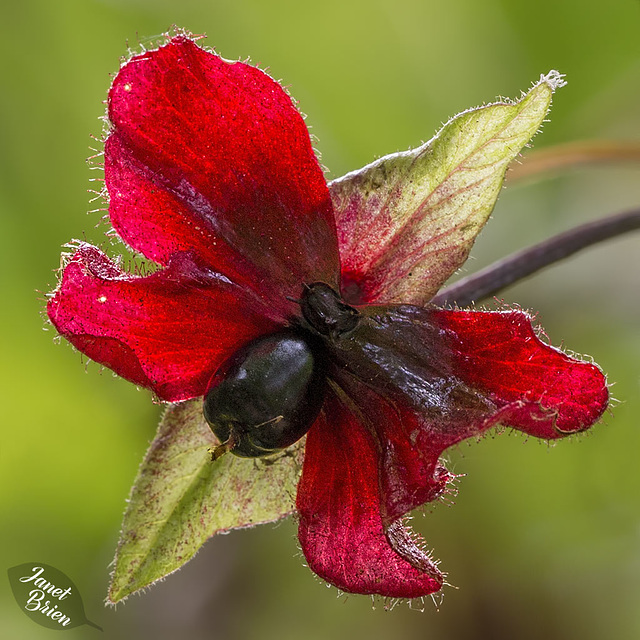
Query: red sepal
[(206, 152), (341, 530), (408, 447), (425, 379), (539, 389), (168, 331)]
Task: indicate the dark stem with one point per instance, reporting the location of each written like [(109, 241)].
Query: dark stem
[(496, 277)]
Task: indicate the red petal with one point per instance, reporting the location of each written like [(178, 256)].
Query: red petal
[(157, 223), (206, 152), (341, 529), (420, 388), (538, 389), (168, 331), (409, 445)]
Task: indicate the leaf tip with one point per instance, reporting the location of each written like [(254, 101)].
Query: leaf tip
[(115, 594), (554, 79)]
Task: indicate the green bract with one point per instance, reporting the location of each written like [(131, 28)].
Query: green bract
[(180, 498), (419, 211)]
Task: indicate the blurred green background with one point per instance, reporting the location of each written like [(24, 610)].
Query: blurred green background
[(543, 541)]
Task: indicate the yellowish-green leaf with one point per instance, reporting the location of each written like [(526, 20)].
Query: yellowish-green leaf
[(407, 221), (180, 498)]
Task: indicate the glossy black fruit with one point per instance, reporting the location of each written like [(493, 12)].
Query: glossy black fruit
[(268, 394)]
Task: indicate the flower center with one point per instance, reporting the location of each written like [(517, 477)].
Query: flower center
[(324, 310), (267, 395)]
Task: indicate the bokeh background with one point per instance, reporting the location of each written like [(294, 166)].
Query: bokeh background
[(543, 541)]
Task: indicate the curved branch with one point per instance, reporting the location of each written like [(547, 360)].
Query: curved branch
[(496, 277)]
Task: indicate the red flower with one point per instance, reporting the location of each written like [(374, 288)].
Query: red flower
[(211, 174)]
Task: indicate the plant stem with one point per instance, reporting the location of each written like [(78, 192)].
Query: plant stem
[(496, 277)]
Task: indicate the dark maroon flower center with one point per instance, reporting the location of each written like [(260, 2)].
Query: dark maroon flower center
[(266, 396), (325, 311)]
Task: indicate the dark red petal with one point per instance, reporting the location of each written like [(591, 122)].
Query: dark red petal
[(157, 223), (168, 331), (420, 389), (538, 389), (341, 529), (206, 153), (409, 444)]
